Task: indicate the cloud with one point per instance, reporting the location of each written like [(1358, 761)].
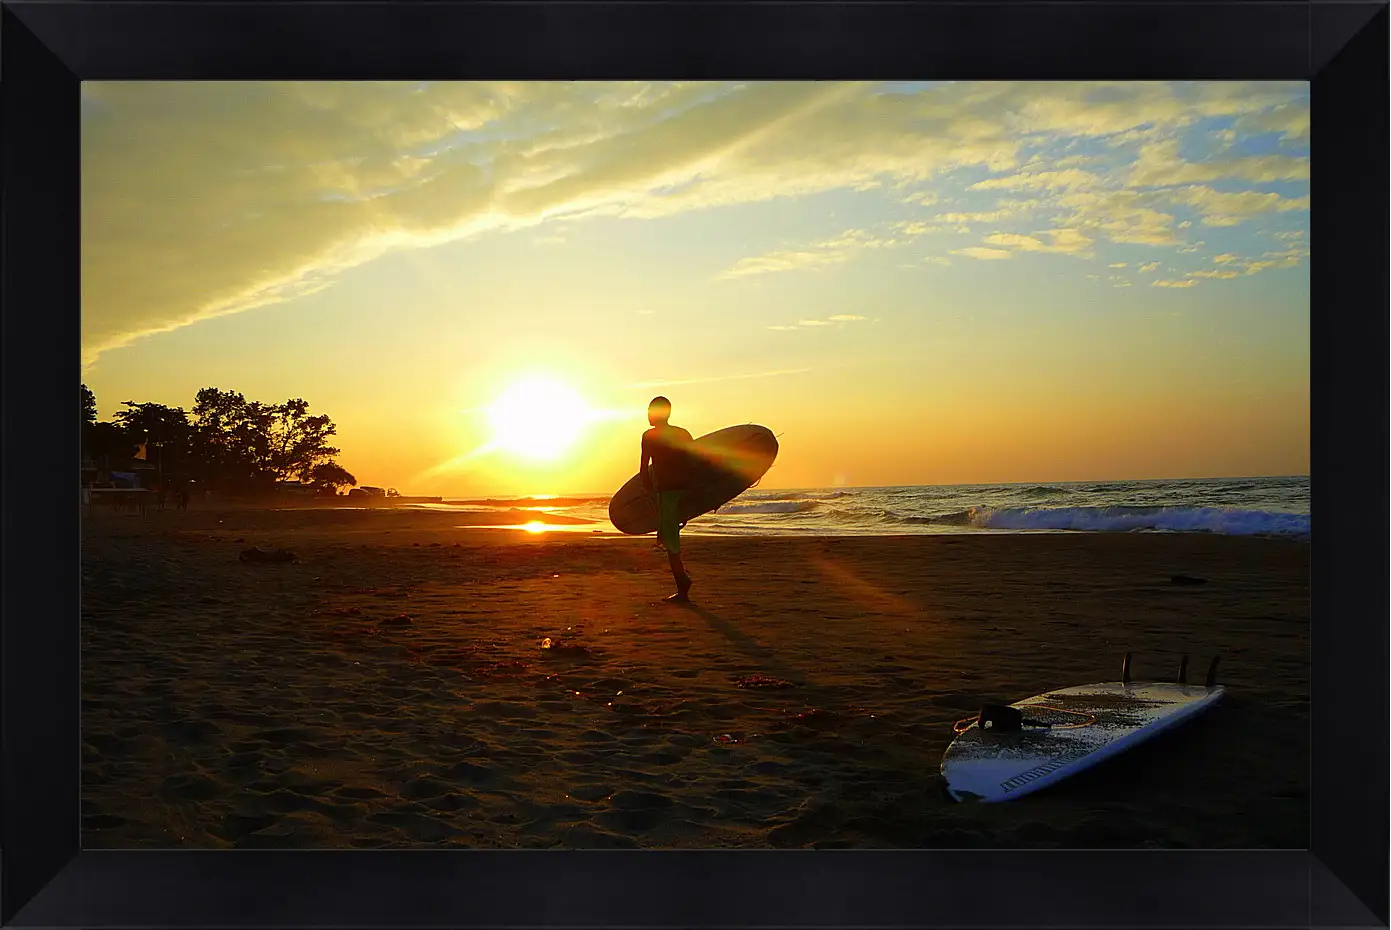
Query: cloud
[(834, 251), (1148, 267), (1124, 216), (1287, 258), (785, 260), (1015, 241), (1223, 137), (1118, 265), (833, 320), (1159, 165), (983, 253), (1234, 266), (1033, 180), (715, 378), (1188, 283), (1290, 120), (1063, 240), (916, 228), (1229, 208), (207, 198), (983, 216)]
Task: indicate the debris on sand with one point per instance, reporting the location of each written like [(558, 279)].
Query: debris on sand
[(763, 681)]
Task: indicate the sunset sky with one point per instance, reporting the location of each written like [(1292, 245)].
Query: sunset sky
[(921, 283)]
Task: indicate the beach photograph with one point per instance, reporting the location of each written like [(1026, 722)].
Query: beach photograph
[(703, 465)]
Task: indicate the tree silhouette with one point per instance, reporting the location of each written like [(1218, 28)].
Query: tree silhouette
[(89, 406), (330, 476), (165, 431), (225, 441)]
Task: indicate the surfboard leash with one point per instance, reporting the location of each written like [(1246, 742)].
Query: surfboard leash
[(1008, 719)]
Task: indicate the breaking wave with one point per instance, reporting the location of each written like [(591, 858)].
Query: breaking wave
[(810, 516), (1227, 521), (774, 506)]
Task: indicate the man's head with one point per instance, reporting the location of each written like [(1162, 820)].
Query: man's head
[(659, 411)]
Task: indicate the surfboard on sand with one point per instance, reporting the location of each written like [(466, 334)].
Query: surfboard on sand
[(727, 463), (1087, 724)]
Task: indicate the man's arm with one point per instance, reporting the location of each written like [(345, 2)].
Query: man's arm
[(642, 466)]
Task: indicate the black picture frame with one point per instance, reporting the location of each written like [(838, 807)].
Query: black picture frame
[(46, 49)]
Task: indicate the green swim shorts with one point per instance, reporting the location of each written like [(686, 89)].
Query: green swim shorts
[(669, 519)]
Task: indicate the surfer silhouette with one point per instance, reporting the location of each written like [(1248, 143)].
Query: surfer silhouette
[(667, 448)]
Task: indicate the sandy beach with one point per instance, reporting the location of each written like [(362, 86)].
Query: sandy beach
[(413, 681)]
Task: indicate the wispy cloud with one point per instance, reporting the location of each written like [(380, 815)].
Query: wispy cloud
[(786, 260), (1033, 180), (1228, 208), (1119, 215), (1148, 267), (833, 320), (1068, 241), (1289, 119), (1185, 283), (833, 251), (1159, 165), (980, 252), (715, 378)]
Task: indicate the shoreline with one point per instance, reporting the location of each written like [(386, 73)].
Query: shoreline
[(235, 705), (517, 517)]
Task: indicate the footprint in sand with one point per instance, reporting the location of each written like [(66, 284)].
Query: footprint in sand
[(452, 802)]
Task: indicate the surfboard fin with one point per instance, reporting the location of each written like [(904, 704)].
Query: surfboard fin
[(1125, 669), (1212, 672), (1183, 670)]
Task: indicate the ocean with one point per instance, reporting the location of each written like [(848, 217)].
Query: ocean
[(1226, 506)]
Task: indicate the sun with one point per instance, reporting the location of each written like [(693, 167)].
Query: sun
[(538, 419)]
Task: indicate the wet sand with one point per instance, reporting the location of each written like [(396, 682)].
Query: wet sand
[(410, 681)]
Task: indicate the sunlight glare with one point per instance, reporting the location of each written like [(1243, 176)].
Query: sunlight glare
[(538, 419)]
